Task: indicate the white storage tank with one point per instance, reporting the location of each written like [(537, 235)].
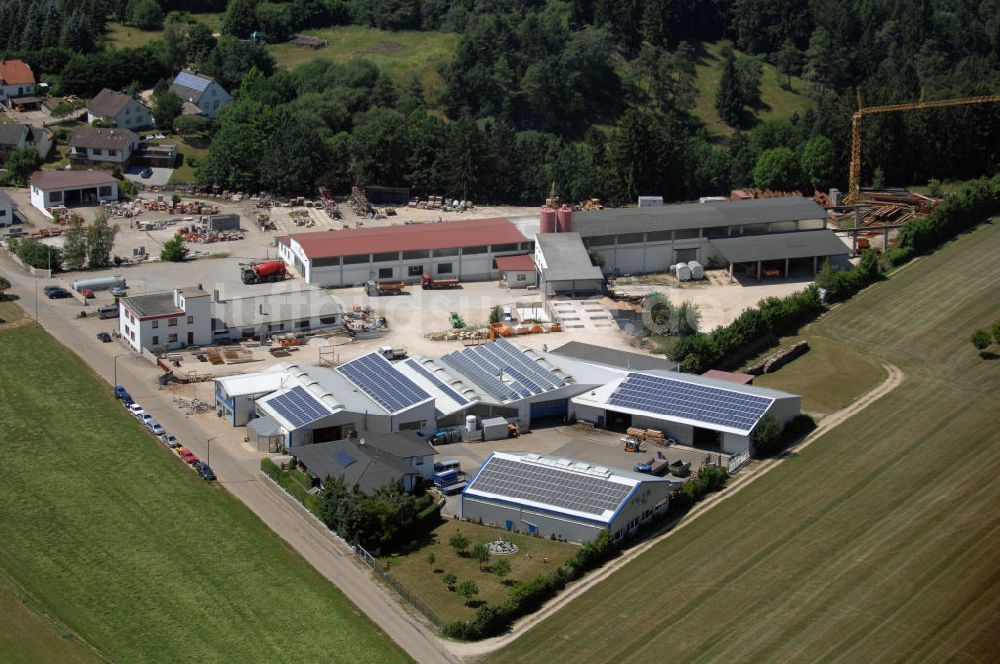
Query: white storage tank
[(100, 283), (470, 423), (683, 272), (697, 271)]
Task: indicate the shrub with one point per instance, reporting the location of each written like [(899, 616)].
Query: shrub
[(981, 340), (269, 469), (459, 542), (767, 436)]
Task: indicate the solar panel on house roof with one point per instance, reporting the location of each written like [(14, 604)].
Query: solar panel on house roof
[(298, 407), (702, 403), (376, 377), (189, 80), (483, 378), (587, 493), (343, 458), (437, 382)]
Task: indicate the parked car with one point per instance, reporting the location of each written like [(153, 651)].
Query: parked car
[(49, 289), (104, 337), (145, 418), (57, 293), (136, 410), (87, 293), (146, 173), (204, 471), (187, 455), (127, 401), (155, 427), (121, 392), (170, 440), (118, 291)]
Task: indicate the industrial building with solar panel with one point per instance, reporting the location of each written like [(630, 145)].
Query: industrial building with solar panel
[(562, 498)]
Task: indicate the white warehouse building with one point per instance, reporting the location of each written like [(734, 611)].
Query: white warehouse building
[(554, 497)]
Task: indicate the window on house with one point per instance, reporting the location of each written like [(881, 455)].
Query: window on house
[(155, 324), (172, 322), (522, 277), (104, 192), (302, 324), (272, 327), (415, 270), (156, 340), (468, 251), (190, 320), (445, 252), (112, 153), (385, 256), (385, 273), (172, 339), (96, 151), (444, 268), (504, 247), (56, 197), (412, 426), (328, 320), (416, 254), (354, 260), (686, 234)]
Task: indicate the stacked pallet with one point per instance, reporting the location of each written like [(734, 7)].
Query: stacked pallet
[(654, 436)]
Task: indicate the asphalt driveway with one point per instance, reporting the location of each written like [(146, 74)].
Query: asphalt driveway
[(159, 178)]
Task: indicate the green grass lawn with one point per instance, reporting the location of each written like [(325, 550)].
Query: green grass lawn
[(425, 580), (125, 36), (876, 543), (399, 54), (778, 102), (9, 312), (28, 636), (119, 542), (829, 376)]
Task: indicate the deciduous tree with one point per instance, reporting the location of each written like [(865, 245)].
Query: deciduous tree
[(468, 589), (460, 543), (174, 250)]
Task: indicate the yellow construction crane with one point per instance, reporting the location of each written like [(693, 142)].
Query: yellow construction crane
[(855, 175)]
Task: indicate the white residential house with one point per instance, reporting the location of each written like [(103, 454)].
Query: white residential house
[(16, 80), (20, 136), (119, 110), (202, 95), (164, 321), (95, 145)]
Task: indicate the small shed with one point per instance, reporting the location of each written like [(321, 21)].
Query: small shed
[(494, 428), (517, 271)]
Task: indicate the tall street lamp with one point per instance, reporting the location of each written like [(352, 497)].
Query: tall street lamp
[(208, 458), (116, 366)]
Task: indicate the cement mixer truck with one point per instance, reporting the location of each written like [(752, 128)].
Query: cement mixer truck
[(260, 273)]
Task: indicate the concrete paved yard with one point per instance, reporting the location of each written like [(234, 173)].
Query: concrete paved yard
[(159, 178)]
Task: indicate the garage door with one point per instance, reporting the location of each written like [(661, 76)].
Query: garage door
[(550, 408), (686, 255)]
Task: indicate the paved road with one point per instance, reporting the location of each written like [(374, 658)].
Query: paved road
[(235, 464)]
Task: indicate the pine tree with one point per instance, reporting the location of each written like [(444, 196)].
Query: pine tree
[(729, 97), (75, 245), (77, 35), (52, 27), (31, 36)]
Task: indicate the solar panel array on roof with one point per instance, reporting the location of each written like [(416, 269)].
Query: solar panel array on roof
[(374, 375), (343, 458), (487, 363), (713, 405), (545, 484), (189, 80), (437, 382), (298, 407)]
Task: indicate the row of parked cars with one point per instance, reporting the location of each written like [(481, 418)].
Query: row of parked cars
[(187, 456)]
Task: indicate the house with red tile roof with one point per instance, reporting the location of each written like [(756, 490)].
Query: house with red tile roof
[(16, 80)]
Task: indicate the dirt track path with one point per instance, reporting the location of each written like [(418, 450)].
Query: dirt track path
[(757, 470)]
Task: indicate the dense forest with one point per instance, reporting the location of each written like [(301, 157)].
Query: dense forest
[(596, 95)]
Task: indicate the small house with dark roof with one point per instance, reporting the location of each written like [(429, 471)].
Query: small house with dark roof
[(22, 136), (16, 80), (370, 462), (201, 94), (96, 145), (114, 108)]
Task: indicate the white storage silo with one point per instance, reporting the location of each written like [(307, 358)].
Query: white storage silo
[(470, 423)]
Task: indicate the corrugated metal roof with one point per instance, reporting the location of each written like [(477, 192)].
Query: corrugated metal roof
[(613, 357), (444, 235), (778, 246), (566, 259), (616, 221)]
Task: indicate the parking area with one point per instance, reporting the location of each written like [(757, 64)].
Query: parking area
[(158, 177)]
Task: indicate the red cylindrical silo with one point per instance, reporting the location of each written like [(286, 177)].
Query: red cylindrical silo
[(548, 220), (565, 215)]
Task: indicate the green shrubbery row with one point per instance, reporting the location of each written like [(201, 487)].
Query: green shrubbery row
[(966, 209), (287, 480), (527, 596)]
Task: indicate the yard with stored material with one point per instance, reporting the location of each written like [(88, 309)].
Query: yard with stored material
[(109, 537), (877, 542)]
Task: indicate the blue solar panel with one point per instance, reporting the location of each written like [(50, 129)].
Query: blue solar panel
[(377, 378), (484, 379), (189, 80), (437, 382), (702, 403), (343, 458), (514, 354), (298, 407)]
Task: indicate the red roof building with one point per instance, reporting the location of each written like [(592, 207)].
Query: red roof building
[(443, 235), (738, 378), (15, 72), (522, 263)]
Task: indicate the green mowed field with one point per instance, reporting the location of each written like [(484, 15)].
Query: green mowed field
[(114, 538), (876, 543), (400, 54), (829, 376), (9, 311), (425, 580), (30, 637)]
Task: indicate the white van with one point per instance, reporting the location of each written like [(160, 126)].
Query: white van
[(445, 466), (108, 311)]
